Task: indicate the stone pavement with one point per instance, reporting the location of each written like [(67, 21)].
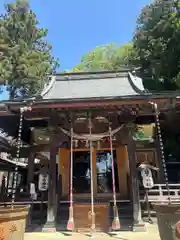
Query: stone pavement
[(151, 234)]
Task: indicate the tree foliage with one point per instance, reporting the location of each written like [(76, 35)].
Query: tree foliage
[(105, 57), (156, 43), (155, 48), (25, 59)]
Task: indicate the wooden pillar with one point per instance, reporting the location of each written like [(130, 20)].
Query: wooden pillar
[(50, 225), (63, 170), (30, 179), (30, 176), (138, 225), (94, 172), (2, 187), (122, 159)]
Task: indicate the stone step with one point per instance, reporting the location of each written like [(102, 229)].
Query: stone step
[(121, 211), (124, 209), (126, 225), (119, 205), (65, 216)]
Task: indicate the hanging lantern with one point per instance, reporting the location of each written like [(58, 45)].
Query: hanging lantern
[(43, 182)]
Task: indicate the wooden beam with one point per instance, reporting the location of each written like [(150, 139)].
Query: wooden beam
[(121, 109), (87, 104)]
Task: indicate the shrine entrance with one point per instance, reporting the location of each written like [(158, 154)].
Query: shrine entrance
[(81, 173), (102, 173)]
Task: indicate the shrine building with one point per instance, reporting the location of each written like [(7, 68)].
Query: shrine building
[(90, 132)]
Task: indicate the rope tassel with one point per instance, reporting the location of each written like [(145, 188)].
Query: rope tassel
[(70, 224), (116, 222)]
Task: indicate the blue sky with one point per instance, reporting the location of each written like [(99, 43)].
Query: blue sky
[(77, 26)]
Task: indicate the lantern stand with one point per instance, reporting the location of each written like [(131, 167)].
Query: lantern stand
[(116, 222), (22, 110), (148, 183), (148, 206)]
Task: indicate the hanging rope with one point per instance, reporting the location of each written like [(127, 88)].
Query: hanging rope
[(93, 137), (161, 148), (93, 226), (116, 222), (70, 224), (15, 177)]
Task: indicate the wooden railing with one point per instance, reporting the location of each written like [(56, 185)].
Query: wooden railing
[(159, 193)]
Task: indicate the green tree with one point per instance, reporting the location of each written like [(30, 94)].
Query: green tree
[(105, 57), (25, 59), (156, 43)]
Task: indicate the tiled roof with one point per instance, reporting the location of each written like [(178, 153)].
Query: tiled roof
[(93, 85)]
